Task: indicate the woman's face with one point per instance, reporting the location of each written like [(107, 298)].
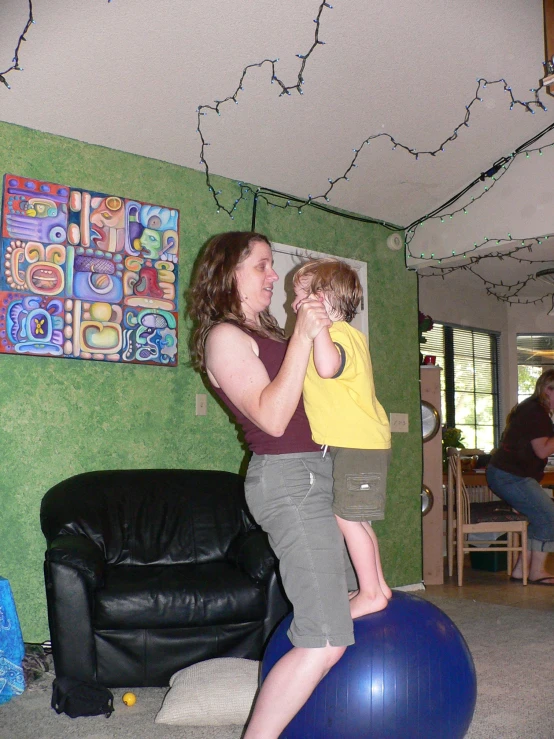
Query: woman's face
[(549, 393), (255, 277)]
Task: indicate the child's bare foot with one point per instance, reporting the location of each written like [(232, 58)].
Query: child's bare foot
[(362, 604)]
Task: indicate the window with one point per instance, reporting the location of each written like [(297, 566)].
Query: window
[(469, 381), (535, 353)]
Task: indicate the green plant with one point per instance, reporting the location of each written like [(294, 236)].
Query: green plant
[(451, 437)]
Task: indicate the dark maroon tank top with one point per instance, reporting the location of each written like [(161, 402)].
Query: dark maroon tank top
[(297, 436)]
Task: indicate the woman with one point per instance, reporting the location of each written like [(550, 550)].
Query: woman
[(516, 469), (288, 486)]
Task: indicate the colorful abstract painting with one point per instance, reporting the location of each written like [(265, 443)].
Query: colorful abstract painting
[(85, 275)]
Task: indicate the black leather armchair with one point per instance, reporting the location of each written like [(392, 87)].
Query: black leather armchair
[(148, 571)]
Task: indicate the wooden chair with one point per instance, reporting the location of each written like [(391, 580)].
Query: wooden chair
[(464, 518)]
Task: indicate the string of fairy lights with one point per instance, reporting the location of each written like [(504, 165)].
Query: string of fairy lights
[(274, 199), (510, 293), (15, 66), (507, 292), (282, 200)]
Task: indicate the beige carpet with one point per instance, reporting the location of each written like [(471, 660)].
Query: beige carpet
[(513, 650)]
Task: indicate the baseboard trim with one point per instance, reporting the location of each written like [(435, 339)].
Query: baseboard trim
[(414, 586)]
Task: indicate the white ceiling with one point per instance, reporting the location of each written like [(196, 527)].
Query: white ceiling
[(130, 75)]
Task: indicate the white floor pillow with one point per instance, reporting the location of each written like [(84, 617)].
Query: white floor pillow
[(216, 692)]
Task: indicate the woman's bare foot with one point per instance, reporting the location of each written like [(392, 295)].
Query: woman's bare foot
[(540, 575), (362, 604), (352, 594), (546, 580), (387, 592)]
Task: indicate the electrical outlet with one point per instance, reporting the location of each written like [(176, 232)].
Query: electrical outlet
[(201, 404), (399, 422)]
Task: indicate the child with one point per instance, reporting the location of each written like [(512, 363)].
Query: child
[(345, 415)]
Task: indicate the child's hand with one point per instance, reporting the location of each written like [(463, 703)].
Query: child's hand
[(298, 301)]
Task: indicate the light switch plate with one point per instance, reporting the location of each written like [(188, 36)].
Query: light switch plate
[(201, 404), (399, 422)]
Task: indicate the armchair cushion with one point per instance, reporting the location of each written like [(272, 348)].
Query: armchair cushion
[(141, 517), (180, 596)]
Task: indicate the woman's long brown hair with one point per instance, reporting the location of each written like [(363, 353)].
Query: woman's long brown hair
[(213, 296)]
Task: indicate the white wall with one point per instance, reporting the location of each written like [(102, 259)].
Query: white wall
[(461, 299), (526, 319)]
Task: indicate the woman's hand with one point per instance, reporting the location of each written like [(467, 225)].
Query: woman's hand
[(311, 317)]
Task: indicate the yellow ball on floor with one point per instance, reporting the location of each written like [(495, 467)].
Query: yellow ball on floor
[(129, 699)]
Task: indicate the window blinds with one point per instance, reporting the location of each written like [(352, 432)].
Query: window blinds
[(469, 381)]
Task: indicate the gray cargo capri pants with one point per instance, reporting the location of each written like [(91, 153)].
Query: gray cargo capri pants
[(290, 497)]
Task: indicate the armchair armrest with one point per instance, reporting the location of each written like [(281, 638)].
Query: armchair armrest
[(73, 569), (81, 554), (252, 554)]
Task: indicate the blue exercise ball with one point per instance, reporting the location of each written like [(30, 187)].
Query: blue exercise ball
[(410, 675)]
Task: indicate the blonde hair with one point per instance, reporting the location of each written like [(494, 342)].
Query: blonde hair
[(337, 280)]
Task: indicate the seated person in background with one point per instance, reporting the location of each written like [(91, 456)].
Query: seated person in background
[(340, 402), (516, 469)]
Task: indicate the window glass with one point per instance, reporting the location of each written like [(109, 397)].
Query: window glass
[(468, 436), (484, 410), (463, 372), (484, 438), (535, 353), (465, 408), (469, 381), (527, 376)]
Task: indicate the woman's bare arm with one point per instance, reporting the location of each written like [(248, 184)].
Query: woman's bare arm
[(543, 447), (234, 366)]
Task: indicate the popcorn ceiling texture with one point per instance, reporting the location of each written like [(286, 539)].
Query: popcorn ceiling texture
[(60, 417)]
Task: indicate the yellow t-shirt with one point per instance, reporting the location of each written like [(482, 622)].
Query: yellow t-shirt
[(343, 411)]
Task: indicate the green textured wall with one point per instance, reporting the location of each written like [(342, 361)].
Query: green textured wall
[(61, 417)]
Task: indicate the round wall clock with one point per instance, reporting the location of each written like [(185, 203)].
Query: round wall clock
[(427, 500), (430, 420)]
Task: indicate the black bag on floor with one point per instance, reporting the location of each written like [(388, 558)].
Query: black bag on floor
[(80, 698)]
